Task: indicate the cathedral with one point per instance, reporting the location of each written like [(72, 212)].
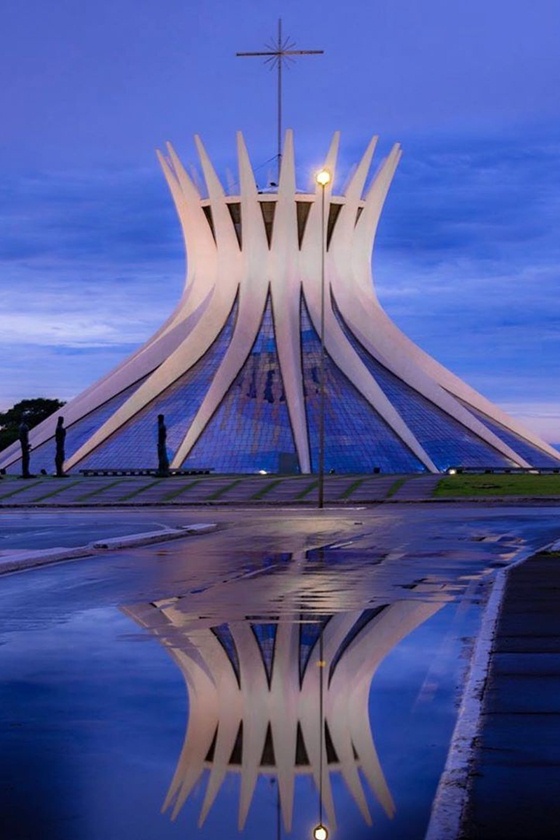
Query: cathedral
[(279, 341)]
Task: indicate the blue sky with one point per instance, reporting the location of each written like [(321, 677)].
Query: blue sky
[(467, 257)]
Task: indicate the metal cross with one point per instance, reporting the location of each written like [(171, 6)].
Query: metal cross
[(276, 54)]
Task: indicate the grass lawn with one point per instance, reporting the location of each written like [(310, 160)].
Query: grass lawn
[(498, 485)]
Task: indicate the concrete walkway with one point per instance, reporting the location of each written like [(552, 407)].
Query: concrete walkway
[(137, 491), (514, 786)]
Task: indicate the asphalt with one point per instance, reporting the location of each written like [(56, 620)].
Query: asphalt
[(18, 559), (512, 781)]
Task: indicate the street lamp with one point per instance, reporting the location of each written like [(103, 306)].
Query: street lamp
[(323, 178)]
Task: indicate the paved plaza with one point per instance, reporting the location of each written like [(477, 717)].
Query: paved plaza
[(254, 490), (515, 766)]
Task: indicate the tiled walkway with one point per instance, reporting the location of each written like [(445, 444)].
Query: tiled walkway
[(205, 490)]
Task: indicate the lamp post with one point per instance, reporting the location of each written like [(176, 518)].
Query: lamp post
[(320, 832), (323, 178)]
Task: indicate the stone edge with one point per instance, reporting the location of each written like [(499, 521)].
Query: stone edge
[(452, 793), (17, 561)]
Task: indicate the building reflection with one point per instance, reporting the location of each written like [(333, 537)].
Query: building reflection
[(254, 688)]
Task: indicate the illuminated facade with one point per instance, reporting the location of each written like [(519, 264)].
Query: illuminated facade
[(236, 367)]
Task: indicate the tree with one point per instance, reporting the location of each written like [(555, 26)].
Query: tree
[(35, 411)]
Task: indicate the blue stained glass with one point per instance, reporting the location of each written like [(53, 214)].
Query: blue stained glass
[(42, 458), (532, 454), (445, 439), (15, 467), (224, 634), (357, 439), (251, 427), (135, 444), (309, 632), (265, 634)]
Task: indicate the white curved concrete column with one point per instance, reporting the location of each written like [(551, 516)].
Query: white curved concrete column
[(221, 269)]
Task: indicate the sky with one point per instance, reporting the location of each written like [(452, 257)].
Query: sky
[(467, 257)]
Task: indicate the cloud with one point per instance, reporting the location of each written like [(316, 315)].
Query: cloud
[(467, 260), (86, 260), (106, 217), (90, 266), (51, 307), (541, 417), (497, 196), (29, 370)]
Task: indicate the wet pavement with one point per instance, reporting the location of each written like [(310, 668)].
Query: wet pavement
[(515, 778), (37, 530), (188, 676)]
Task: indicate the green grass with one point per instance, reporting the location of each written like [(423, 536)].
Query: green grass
[(182, 489), (139, 490), (498, 485), (25, 486), (395, 486), (220, 492), (59, 489), (305, 492), (352, 487), (266, 489), (101, 488)]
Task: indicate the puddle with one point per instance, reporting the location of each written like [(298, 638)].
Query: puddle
[(346, 714), (246, 684), (256, 714)]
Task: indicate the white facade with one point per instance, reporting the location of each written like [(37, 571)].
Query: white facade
[(256, 253)]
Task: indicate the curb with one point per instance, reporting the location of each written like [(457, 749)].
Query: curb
[(32, 559), (264, 504), (153, 536), (452, 792)]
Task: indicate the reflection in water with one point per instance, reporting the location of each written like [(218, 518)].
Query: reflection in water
[(254, 696), (95, 748)]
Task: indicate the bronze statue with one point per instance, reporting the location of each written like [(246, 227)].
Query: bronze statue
[(163, 461), (60, 437), (25, 448)]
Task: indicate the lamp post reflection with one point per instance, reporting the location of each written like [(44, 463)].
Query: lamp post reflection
[(322, 178), (320, 832)]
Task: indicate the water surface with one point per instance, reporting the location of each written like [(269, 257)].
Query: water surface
[(216, 686)]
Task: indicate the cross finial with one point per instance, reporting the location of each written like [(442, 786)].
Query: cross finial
[(275, 56)]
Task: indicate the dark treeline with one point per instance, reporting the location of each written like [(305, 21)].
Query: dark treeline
[(34, 410)]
